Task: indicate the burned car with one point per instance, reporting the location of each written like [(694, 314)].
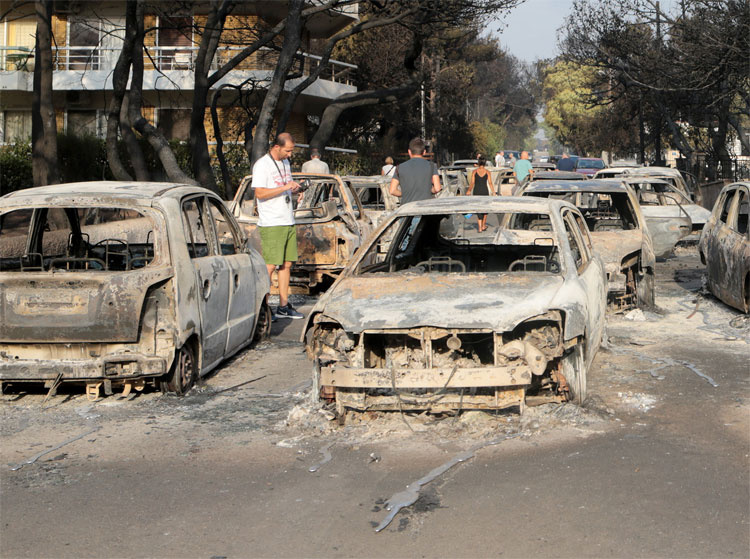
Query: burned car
[(331, 225), (374, 194), (618, 231), (550, 175), (451, 318), (724, 246), (118, 284), (659, 198), (454, 181)]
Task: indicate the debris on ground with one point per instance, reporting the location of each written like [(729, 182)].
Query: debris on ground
[(637, 400)]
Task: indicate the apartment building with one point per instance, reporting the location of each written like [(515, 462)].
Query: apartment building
[(87, 42)]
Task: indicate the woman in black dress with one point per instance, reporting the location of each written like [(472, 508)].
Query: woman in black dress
[(481, 185)]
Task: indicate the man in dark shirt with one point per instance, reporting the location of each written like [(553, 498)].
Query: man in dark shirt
[(416, 179), (566, 163)]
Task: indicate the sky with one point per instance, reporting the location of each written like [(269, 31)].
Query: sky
[(530, 30)]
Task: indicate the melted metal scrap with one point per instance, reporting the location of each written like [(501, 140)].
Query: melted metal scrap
[(325, 451), (410, 495), (62, 444)]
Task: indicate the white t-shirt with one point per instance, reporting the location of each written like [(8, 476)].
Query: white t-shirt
[(316, 166), (269, 173), (388, 170)]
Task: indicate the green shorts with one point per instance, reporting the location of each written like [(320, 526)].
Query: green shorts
[(279, 244)]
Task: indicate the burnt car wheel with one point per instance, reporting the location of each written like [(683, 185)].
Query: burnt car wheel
[(184, 370), (574, 371), (263, 327), (645, 290)]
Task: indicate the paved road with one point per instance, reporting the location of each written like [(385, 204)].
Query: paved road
[(656, 463)]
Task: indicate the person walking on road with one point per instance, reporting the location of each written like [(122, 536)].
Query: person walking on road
[(389, 169), (315, 166), (273, 187), (522, 168), (416, 179), (481, 185), (499, 159)]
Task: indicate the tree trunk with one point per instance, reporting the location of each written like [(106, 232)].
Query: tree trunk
[(135, 153), (119, 85), (155, 138), (206, 51), (43, 121), (351, 100), (292, 39), (228, 190)]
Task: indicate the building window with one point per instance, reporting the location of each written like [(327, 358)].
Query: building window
[(84, 43), (176, 31), (84, 123), (16, 126)]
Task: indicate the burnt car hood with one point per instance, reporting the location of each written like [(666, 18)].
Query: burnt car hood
[(495, 302), (74, 306), (613, 246)]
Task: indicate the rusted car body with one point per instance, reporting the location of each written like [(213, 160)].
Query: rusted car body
[(454, 181), (451, 318), (331, 225), (374, 194), (618, 231), (725, 246), (119, 284)]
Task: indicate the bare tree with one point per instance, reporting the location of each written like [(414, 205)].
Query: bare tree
[(43, 121)]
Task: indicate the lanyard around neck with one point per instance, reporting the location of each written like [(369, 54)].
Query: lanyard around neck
[(282, 175)]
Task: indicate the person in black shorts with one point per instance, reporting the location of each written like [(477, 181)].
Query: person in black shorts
[(481, 185)]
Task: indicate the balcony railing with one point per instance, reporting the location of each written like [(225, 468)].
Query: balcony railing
[(15, 58)]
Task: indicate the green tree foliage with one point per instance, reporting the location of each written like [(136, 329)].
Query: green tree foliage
[(685, 72), (488, 137), (15, 167)]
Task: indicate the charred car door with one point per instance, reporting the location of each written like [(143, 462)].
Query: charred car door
[(591, 274), (728, 249), (211, 273), (242, 289), (665, 217)]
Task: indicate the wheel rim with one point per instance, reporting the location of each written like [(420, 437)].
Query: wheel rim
[(185, 365)]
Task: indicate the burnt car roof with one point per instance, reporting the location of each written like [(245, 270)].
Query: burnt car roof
[(82, 192), (596, 185), (558, 175), (483, 204)]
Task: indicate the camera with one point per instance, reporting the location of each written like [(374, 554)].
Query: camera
[(304, 185)]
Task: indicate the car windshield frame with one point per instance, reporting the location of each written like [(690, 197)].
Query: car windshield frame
[(558, 243)]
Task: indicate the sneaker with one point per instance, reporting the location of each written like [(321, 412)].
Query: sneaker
[(274, 318), (288, 312)]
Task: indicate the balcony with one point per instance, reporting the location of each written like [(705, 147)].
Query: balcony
[(93, 60)]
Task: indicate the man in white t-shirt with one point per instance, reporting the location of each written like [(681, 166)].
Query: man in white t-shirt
[(315, 165), (274, 187)]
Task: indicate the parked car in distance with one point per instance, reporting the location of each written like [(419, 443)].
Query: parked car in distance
[(618, 231), (331, 225), (449, 318), (654, 192), (589, 165), (724, 246), (120, 284), (685, 183)]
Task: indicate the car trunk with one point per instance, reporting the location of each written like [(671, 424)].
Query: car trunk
[(84, 306)]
